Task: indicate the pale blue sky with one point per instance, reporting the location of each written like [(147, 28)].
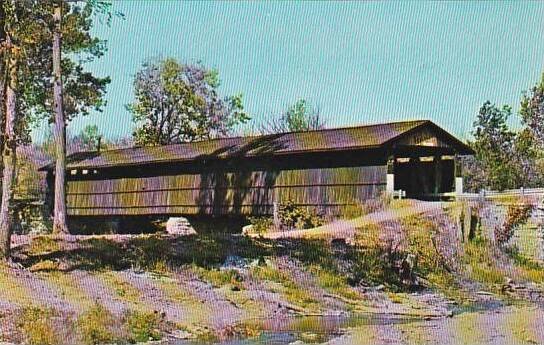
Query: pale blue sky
[(359, 62)]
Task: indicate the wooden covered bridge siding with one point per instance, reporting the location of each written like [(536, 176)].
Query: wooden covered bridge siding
[(324, 170), (220, 193)]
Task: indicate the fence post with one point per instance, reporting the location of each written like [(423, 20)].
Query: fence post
[(482, 194)]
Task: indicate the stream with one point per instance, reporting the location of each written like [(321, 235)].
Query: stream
[(505, 325)]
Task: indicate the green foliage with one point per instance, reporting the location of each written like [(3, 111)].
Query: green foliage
[(36, 326), (96, 326), (151, 252), (83, 91), (293, 292), (352, 211), (219, 278), (334, 282), (292, 216), (178, 102), (495, 164), (532, 111), (481, 260), (89, 137), (517, 214), (261, 225), (43, 244), (504, 158), (299, 117), (530, 269), (143, 327)]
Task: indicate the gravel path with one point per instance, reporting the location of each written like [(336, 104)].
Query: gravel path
[(347, 228)]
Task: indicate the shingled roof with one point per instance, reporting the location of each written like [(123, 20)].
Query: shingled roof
[(360, 137)]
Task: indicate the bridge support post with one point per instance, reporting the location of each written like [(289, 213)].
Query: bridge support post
[(390, 178), (458, 174)]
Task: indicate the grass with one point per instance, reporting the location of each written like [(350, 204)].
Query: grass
[(68, 288), (143, 327), (480, 259), (527, 268), (43, 245), (123, 289), (12, 290), (96, 326), (334, 283), (293, 292), (219, 278), (44, 266), (37, 327)]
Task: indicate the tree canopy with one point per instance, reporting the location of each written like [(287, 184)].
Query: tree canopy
[(532, 112), (298, 117), (506, 158), (177, 102)]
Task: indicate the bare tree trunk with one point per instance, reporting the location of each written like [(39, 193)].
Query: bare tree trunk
[(8, 157), (59, 213), (3, 78)]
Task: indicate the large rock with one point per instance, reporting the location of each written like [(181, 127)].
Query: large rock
[(179, 226)]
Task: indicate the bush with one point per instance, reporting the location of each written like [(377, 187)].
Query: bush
[(96, 325), (516, 215), (43, 245), (151, 252), (37, 326), (261, 225), (219, 278), (292, 216), (143, 327)]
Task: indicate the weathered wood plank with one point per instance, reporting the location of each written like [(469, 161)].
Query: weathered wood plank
[(219, 193)]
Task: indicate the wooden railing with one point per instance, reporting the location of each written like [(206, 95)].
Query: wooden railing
[(490, 195)]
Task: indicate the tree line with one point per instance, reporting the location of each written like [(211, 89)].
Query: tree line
[(44, 48), (46, 44), (508, 157)]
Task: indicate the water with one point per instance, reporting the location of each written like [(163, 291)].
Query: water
[(523, 324), (308, 329)]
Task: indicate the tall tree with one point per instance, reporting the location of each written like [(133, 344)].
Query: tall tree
[(88, 139), (495, 163), (33, 37), (12, 53), (59, 212), (299, 117), (178, 102), (532, 112)]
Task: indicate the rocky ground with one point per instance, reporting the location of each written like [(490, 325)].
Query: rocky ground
[(100, 289)]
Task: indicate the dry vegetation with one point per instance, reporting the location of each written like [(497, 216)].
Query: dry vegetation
[(152, 286)]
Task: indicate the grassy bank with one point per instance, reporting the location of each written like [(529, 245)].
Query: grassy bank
[(79, 290)]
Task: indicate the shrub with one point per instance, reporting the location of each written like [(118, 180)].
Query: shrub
[(219, 278), (37, 326), (481, 259), (516, 215), (143, 327), (292, 216), (95, 326), (151, 252), (43, 245), (352, 211), (261, 225)]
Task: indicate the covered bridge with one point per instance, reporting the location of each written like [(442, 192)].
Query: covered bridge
[(323, 169)]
